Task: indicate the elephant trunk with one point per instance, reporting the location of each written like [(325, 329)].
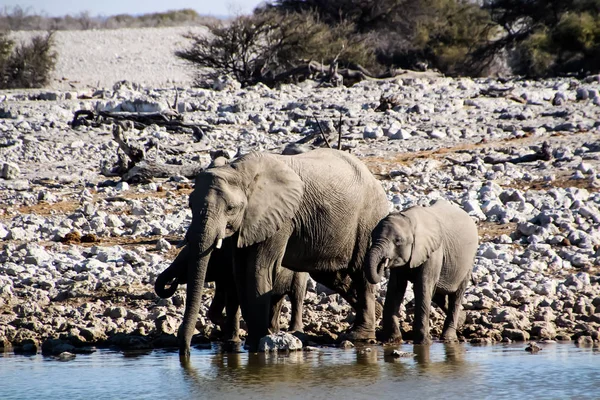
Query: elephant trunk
[(176, 274), (162, 281), (376, 262), (200, 248)]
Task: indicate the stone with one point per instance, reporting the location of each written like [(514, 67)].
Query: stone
[(163, 245), (166, 324), (584, 341), (543, 330), (402, 354), (346, 344), (437, 134), (37, 255), (10, 170), (116, 312), (66, 356), (55, 347), (582, 94), (281, 341), (559, 99), (122, 186), (372, 132)]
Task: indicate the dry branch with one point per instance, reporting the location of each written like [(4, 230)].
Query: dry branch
[(169, 119)]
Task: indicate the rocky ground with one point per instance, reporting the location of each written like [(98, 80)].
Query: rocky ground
[(79, 251)]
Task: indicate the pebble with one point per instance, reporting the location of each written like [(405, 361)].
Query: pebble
[(538, 221)]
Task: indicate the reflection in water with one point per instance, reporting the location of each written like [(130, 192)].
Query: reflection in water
[(453, 371), (452, 363), (276, 371)]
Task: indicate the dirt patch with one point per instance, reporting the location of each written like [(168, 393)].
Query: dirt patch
[(563, 180), (44, 209), (383, 165), (488, 231)]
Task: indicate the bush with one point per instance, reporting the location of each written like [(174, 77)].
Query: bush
[(26, 65), (550, 36), (442, 34), (260, 47)]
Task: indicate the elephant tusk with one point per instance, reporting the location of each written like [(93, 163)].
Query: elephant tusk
[(387, 262), (219, 243)]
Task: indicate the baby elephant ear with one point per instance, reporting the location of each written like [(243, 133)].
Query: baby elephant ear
[(274, 195), (427, 234)]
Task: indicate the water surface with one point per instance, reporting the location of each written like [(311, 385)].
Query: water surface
[(441, 371)]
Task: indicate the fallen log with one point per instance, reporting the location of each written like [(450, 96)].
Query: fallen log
[(169, 119)]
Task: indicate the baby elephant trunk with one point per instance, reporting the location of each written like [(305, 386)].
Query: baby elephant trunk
[(376, 262)]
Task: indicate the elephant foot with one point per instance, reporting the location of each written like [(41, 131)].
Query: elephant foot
[(449, 336), (233, 339), (360, 335), (394, 338), (232, 346), (293, 329), (426, 340)]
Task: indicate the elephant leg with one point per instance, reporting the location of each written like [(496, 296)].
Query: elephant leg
[(217, 305), (441, 300), (361, 299), (391, 309), (276, 304), (451, 323), (297, 294), (261, 265), (424, 286), (364, 322), (232, 322)]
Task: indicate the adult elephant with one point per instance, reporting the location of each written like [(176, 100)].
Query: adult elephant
[(311, 212), (434, 248), (220, 270)]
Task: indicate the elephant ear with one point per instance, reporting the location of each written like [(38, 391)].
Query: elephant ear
[(427, 234), (274, 195)]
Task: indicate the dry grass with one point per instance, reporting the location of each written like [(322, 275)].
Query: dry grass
[(69, 206), (488, 231)]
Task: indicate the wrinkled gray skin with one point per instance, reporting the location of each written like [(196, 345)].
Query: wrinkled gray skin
[(432, 247), (312, 212), (220, 270)]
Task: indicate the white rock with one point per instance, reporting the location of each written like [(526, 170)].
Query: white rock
[(281, 341), (10, 170), (162, 244), (113, 221), (3, 232), (585, 168), (472, 207), (122, 186), (437, 134), (372, 132), (37, 255)]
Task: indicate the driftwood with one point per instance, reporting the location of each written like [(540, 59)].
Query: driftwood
[(133, 167), (544, 154), (170, 119), (144, 172), (336, 76)]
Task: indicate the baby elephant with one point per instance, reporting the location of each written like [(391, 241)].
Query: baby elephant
[(434, 248)]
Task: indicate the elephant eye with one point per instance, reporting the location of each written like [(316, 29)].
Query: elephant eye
[(231, 208)]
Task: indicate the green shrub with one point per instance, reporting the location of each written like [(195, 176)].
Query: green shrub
[(405, 33), (535, 55), (550, 36), (26, 65)]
